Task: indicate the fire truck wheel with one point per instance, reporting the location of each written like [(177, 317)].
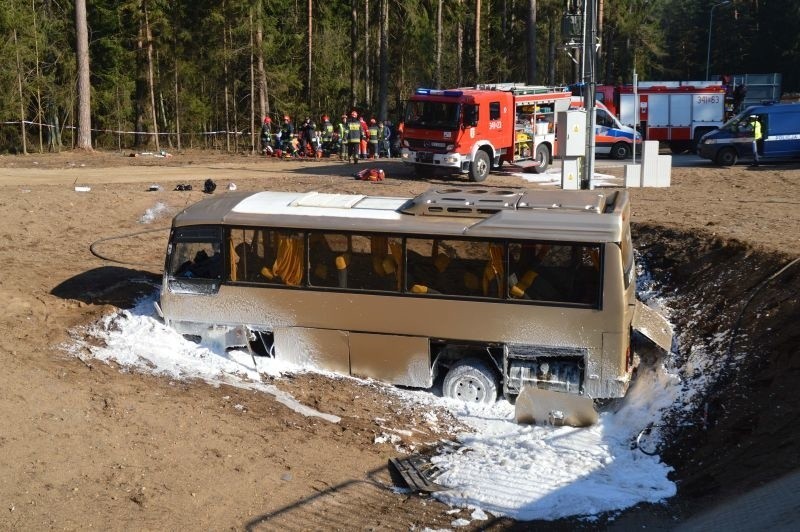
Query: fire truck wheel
[(727, 157), (479, 168), (543, 158), (620, 151)]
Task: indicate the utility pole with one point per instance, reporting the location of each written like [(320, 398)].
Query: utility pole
[(589, 86)]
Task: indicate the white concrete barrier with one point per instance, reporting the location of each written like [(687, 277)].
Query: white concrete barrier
[(650, 163), (633, 175)]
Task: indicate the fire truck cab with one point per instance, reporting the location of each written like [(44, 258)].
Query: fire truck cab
[(472, 130)]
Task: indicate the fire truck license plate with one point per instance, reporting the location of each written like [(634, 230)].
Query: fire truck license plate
[(424, 157)]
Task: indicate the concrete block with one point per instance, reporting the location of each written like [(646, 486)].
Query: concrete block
[(664, 170), (633, 175), (650, 163)]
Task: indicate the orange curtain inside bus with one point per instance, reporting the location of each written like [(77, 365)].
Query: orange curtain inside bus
[(289, 264)]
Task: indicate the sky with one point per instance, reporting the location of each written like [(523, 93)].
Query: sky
[(498, 468)]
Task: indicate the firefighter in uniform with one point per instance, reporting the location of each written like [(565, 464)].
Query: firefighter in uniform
[(287, 132), (354, 137), (327, 135), (384, 134), (372, 136), (266, 135), (343, 138)]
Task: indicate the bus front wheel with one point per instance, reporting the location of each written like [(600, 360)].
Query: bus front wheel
[(470, 380)]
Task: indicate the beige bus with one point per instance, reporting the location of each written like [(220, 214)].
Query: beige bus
[(492, 289)]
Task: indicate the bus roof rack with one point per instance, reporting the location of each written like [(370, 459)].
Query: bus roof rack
[(480, 202)]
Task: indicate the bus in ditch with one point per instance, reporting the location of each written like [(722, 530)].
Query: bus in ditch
[(492, 290)]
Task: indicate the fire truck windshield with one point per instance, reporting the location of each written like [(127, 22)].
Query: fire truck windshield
[(437, 115)]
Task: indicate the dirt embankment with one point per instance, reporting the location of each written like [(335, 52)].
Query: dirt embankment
[(735, 309)]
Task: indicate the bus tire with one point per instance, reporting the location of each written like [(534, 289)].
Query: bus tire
[(470, 380), (726, 157), (479, 168), (620, 151)]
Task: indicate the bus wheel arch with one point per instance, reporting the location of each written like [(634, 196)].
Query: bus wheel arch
[(480, 165), (471, 380)]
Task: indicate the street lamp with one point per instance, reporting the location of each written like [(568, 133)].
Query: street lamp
[(710, 19)]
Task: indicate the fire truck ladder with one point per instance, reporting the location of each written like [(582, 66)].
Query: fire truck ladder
[(518, 88)]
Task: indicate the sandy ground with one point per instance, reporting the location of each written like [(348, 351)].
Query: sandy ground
[(83, 445)]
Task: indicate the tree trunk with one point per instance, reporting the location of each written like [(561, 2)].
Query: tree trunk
[(150, 77), (177, 108), (459, 47), (253, 124), (383, 90), (40, 119), (477, 41), (438, 81), (367, 57), (262, 73), (310, 49), (353, 49), (225, 82), (530, 41), (84, 88), (551, 55)]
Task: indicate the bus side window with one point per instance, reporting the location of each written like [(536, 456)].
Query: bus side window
[(554, 273), (329, 256), (450, 267)]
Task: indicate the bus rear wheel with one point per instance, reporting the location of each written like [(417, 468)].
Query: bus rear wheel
[(470, 380)]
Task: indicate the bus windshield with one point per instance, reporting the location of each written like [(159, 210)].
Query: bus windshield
[(438, 115)]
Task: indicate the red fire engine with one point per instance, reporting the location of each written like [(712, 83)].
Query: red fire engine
[(471, 130), (675, 112)]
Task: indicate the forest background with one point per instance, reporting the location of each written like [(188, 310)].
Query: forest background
[(202, 73)]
